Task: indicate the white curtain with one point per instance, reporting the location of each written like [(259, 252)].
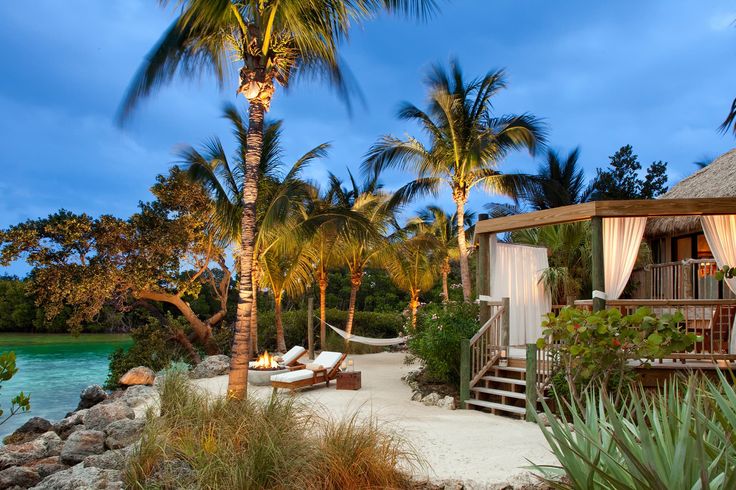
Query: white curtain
[(515, 273), (720, 231), (621, 241)]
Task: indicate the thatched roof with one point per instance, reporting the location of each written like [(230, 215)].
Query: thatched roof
[(716, 180)]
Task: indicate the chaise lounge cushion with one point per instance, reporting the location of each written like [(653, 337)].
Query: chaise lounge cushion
[(293, 354), (328, 359), (293, 376)]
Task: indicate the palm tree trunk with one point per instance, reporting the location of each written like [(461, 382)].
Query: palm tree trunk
[(254, 312), (238, 379), (445, 273), (464, 267), (413, 306), (323, 282), (280, 340), (356, 278)]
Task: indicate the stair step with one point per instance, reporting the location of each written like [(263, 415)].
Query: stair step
[(501, 379), (493, 391), (510, 368), (497, 406)]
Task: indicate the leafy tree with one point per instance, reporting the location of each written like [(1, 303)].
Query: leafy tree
[(467, 142), (622, 179), (20, 402), (84, 263), (274, 42)]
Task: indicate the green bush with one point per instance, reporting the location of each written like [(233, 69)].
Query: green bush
[(440, 331)]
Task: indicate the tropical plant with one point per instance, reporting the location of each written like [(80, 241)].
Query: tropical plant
[(560, 183), (728, 123), (467, 142), (273, 41), (20, 402)]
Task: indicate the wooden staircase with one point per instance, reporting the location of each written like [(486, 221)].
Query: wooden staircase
[(501, 390)]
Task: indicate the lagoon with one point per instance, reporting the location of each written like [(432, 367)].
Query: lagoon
[(53, 369)]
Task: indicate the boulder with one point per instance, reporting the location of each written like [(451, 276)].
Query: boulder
[(66, 426), (34, 427), (47, 444), (174, 470), (416, 396), (102, 415), (140, 398), (82, 477), (91, 396), (122, 433), (447, 403), (431, 399), (18, 476), (210, 367), (140, 375), (81, 444), (109, 460), (47, 466)]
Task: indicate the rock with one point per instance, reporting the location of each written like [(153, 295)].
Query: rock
[(431, 399), (447, 403), (109, 460), (542, 419), (80, 477), (123, 433), (18, 476), (416, 396), (174, 470), (100, 416), (81, 444), (140, 398), (47, 444), (211, 366), (66, 426), (34, 427), (47, 466), (91, 396), (140, 375)]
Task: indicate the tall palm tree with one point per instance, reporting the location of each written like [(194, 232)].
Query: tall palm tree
[(728, 123), (273, 41), (467, 142), (560, 183)]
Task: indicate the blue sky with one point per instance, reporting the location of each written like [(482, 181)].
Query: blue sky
[(658, 75)]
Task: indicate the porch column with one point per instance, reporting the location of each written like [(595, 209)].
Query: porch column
[(598, 268), (482, 273)]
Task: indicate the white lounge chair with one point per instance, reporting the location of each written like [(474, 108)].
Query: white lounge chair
[(292, 356), (322, 370)]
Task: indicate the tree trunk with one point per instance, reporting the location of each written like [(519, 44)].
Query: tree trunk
[(254, 312), (445, 273), (280, 341), (356, 278), (464, 267), (323, 281), (179, 336), (413, 306), (238, 379)]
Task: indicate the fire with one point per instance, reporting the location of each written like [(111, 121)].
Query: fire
[(265, 361)]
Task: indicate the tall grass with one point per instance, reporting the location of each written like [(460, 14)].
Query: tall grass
[(252, 444), (679, 438)]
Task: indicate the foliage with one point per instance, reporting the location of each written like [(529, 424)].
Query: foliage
[(622, 180), (438, 336), (678, 438), (726, 272), (594, 348), (255, 444), (152, 347), (20, 402), (559, 183)]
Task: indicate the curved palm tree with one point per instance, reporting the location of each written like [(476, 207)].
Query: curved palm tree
[(273, 42), (560, 183), (466, 144), (728, 123)]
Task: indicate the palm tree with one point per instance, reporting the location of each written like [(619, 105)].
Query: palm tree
[(466, 144), (728, 123), (273, 41), (560, 183), (277, 193)]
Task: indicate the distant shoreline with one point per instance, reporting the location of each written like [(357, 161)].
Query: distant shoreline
[(41, 338)]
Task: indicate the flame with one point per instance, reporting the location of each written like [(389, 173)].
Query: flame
[(265, 361)]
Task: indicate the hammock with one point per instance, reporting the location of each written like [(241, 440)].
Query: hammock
[(366, 340)]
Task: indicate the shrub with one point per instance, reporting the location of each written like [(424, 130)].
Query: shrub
[(20, 402), (438, 336), (593, 349), (679, 438), (255, 444)]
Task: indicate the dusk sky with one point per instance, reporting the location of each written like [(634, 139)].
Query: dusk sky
[(658, 75)]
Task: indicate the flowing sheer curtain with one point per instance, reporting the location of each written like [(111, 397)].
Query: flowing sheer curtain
[(515, 273), (720, 231), (621, 241)]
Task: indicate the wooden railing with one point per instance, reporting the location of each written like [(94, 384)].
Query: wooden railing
[(687, 279), (490, 341), (712, 319)]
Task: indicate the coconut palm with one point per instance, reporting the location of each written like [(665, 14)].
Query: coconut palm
[(467, 142), (273, 42), (728, 123), (560, 183)]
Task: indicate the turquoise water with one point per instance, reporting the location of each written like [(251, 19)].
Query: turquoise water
[(53, 369)]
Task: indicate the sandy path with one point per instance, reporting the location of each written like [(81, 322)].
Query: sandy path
[(458, 444)]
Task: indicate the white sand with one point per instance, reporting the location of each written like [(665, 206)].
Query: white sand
[(463, 445)]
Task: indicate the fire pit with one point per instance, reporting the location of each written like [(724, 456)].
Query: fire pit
[(261, 370)]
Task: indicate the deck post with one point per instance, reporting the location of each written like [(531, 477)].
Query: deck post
[(482, 273), (531, 382), (505, 323), (598, 267), (310, 327), (464, 372)]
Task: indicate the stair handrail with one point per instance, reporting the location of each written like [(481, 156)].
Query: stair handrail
[(486, 344)]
